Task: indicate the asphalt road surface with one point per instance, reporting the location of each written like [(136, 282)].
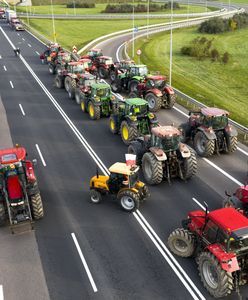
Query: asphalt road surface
[(125, 258)]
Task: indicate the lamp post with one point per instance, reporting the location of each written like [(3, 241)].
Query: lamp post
[(133, 30), (148, 4), (54, 33), (171, 39)]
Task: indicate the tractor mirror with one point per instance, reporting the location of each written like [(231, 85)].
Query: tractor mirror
[(227, 194), (34, 161)]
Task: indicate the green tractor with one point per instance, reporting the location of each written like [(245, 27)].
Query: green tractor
[(129, 80), (99, 102), (132, 119)]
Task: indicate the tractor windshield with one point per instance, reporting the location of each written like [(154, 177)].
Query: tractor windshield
[(160, 84), (79, 68), (139, 110), (103, 92), (108, 62), (89, 82), (133, 179), (142, 71), (216, 123), (168, 143)]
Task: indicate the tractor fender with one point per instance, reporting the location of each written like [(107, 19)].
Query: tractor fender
[(169, 90), (99, 182), (130, 122), (156, 92), (30, 171), (128, 189), (228, 261), (230, 130), (159, 153), (184, 150), (209, 134), (138, 78)]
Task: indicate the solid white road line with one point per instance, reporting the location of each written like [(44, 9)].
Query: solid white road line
[(84, 262), (41, 156), (1, 293), (11, 84), (243, 151), (37, 52), (29, 45), (22, 110), (5, 69)]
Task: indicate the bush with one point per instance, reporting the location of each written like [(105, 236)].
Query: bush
[(80, 5), (225, 58), (215, 55)]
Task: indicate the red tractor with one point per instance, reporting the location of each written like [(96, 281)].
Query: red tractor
[(219, 241), (83, 87), (156, 92), (104, 65), (20, 199), (210, 131), (59, 62), (238, 200), (120, 67), (93, 53), (50, 53)]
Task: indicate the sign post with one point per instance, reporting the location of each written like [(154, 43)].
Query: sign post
[(138, 52)]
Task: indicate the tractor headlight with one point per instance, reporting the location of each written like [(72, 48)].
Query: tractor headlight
[(112, 97), (133, 118), (97, 98)]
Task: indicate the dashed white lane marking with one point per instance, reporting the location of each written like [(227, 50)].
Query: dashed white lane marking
[(29, 45), (198, 203), (37, 52), (18, 34), (22, 110), (23, 39), (84, 262), (1, 293), (0, 56), (11, 84), (41, 156), (5, 69)]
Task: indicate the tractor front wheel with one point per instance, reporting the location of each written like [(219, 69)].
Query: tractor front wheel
[(51, 69), (79, 96), (133, 86), (116, 86), (218, 282), (113, 126), (152, 168), (2, 214), (170, 101), (37, 206), (67, 83), (94, 111), (72, 88), (95, 196), (113, 75), (189, 166), (129, 201), (102, 72), (232, 143), (59, 81), (182, 242), (136, 148), (203, 146), (83, 106), (133, 95), (154, 102), (128, 132)]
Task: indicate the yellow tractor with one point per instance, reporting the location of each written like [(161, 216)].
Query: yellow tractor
[(123, 183)]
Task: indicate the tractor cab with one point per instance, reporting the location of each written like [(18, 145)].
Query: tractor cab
[(138, 70), (87, 80), (93, 53), (77, 67), (63, 57), (136, 107), (87, 64), (100, 91), (155, 82)]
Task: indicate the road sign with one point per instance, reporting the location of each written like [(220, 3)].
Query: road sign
[(138, 52), (136, 29), (74, 49)]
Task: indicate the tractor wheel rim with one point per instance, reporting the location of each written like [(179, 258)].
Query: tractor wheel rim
[(151, 102), (50, 70), (127, 202), (180, 245), (94, 198), (202, 144), (125, 133), (77, 98), (112, 124), (82, 106), (91, 111), (210, 274)]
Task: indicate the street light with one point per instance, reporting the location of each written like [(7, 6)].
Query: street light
[(133, 29), (54, 33), (171, 39), (148, 4)]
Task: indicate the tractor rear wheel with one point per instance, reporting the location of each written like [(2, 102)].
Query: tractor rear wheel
[(129, 201), (189, 166), (152, 168), (185, 130), (232, 143), (72, 88), (182, 242), (2, 214), (67, 83), (102, 72), (203, 146), (170, 101), (113, 126), (133, 86), (37, 206), (218, 282), (59, 81), (116, 86), (58, 69), (136, 148), (95, 196), (94, 111), (51, 69), (128, 132), (154, 102)]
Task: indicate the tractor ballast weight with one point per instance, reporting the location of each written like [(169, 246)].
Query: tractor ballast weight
[(122, 183), (210, 131), (20, 200), (162, 155), (219, 241)]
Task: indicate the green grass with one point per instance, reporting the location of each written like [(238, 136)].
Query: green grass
[(61, 9), (81, 32), (212, 83)]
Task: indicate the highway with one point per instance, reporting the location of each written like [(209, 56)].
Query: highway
[(125, 259)]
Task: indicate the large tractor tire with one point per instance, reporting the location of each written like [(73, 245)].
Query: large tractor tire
[(154, 102), (136, 148), (203, 146), (182, 242), (58, 69), (51, 69), (218, 282), (2, 214), (102, 72), (133, 86), (152, 168), (116, 86), (189, 166), (170, 101), (133, 95), (95, 196), (67, 83), (129, 201), (128, 132), (79, 96), (94, 111), (232, 143), (113, 126), (83, 106), (185, 130), (37, 206), (72, 88), (59, 81)]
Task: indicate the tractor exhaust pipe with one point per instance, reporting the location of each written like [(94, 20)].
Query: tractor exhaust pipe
[(97, 172)]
